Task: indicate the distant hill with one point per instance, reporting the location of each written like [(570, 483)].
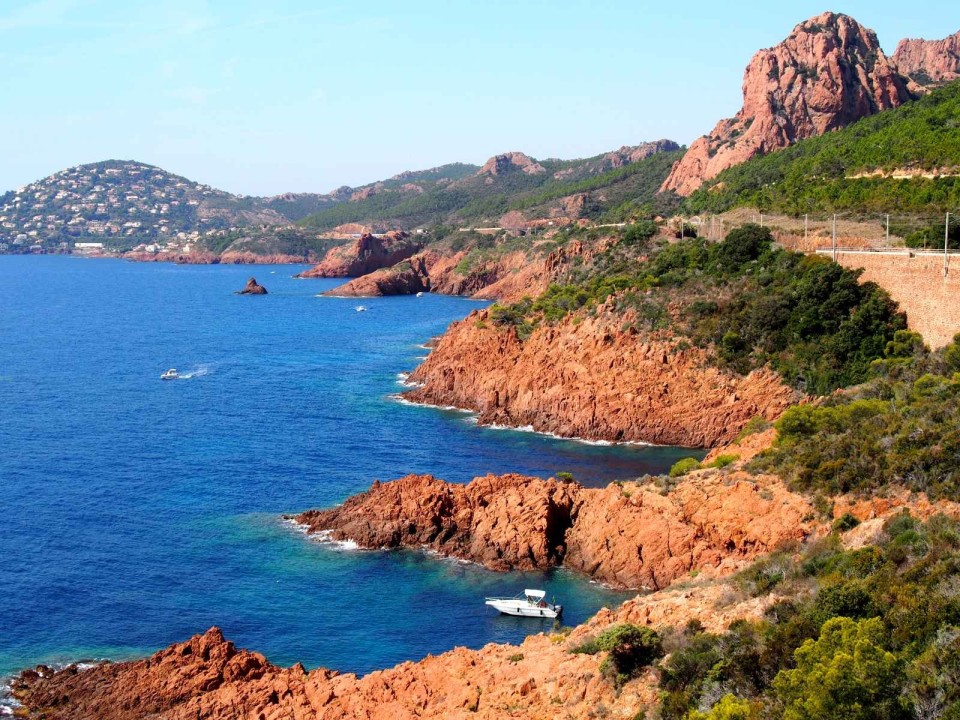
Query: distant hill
[(119, 202), (902, 160), (126, 204), (512, 182)]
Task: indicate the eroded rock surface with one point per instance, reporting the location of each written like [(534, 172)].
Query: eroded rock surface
[(367, 254), (929, 62), (627, 535), (590, 378), (827, 74)]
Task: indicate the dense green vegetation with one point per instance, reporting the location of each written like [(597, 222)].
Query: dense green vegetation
[(868, 633), (902, 427), (753, 304), (629, 648), (816, 174), (483, 199)]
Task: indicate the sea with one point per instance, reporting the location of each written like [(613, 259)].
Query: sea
[(138, 512)]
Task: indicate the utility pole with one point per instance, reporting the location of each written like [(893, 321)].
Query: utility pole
[(834, 237), (946, 242), (761, 219)]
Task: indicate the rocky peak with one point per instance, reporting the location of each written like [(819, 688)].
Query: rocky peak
[(829, 72), (631, 154), (929, 62), (511, 162)]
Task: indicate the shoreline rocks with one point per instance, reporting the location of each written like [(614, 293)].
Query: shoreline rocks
[(368, 254), (590, 378), (627, 535)]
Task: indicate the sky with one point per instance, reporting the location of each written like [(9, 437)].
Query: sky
[(304, 96)]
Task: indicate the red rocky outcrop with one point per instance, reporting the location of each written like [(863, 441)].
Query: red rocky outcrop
[(511, 162), (929, 62), (595, 378), (627, 535), (367, 254), (827, 74), (253, 288)]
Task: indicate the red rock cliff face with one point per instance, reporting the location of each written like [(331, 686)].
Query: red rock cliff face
[(629, 535), (506, 522), (366, 255), (509, 276), (929, 62), (592, 380), (827, 74), (511, 162)]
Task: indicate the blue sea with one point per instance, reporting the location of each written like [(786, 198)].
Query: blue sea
[(138, 512)]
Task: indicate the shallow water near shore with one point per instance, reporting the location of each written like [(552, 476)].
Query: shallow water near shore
[(139, 512)]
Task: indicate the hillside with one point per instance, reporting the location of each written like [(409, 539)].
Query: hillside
[(902, 160), (124, 202), (562, 190)]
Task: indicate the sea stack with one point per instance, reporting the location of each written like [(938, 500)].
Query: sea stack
[(253, 288)]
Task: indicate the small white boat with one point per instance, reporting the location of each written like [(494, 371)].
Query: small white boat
[(531, 603), (170, 374), (361, 308), (419, 294)]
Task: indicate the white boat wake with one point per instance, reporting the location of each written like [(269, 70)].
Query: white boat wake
[(198, 371)]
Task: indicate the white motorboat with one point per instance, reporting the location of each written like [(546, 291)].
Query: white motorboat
[(419, 294), (170, 374), (531, 603), (361, 308)]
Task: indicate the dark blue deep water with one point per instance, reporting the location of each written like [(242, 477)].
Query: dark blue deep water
[(138, 512)]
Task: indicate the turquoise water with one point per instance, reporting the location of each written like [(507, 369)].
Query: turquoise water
[(139, 512)]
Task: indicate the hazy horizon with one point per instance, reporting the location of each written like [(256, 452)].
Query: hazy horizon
[(300, 99)]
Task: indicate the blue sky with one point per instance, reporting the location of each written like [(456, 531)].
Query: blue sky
[(291, 95)]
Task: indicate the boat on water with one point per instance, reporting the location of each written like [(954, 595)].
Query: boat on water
[(530, 603), (170, 374), (361, 308), (419, 294)]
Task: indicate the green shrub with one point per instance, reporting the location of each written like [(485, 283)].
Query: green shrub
[(743, 245), (845, 522), (682, 467), (845, 673), (722, 461), (757, 424), (631, 648), (729, 707)]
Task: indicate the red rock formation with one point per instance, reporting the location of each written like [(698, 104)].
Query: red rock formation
[(367, 254), (253, 288), (507, 522), (929, 62), (509, 276), (191, 681), (192, 258), (827, 74), (627, 535), (209, 258), (250, 258), (636, 153), (366, 192), (511, 162), (588, 378)]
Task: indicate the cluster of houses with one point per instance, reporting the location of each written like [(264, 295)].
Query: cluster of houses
[(100, 201)]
